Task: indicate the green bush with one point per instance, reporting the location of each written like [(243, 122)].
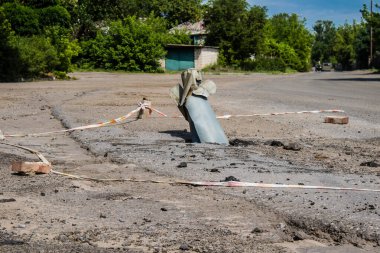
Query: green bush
[(273, 49), (23, 19), (61, 75), (9, 67), (264, 64), (41, 3), (54, 16), (130, 45), (66, 47), (37, 56)]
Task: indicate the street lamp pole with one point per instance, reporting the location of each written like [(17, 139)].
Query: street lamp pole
[(371, 34)]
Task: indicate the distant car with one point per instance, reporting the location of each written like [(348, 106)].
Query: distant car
[(327, 66), (318, 67)]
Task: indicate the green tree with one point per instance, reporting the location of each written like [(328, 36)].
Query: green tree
[(325, 37), (9, 68), (71, 6), (222, 19), (40, 3), (289, 32), (67, 48), (24, 20), (132, 45), (361, 45), (344, 49), (54, 16), (177, 12), (5, 29), (92, 13), (235, 28), (43, 41), (37, 56), (252, 33), (271, 49), (373, 21)]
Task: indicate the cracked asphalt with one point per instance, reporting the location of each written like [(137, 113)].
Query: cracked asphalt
[(56, 214)]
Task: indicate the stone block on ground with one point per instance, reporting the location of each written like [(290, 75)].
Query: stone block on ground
[(336, 119), (31, 167)]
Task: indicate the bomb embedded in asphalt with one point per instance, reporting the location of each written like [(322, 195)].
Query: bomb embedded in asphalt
[(191, 97)]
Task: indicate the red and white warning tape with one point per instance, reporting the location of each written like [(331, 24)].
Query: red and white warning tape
[(279, 113), (97, 125), (261, 185), (218, 184), (193, 183), (37, 153), (157, 111), (147, 105), (143, 106), (228, 116)]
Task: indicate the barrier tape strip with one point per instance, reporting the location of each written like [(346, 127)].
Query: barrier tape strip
[(193, 183), (97, 125), (227, 184), (201, 183), (228, 116), (262, 185), (279, 113), (37, 153), (147, 105), (157, 111)]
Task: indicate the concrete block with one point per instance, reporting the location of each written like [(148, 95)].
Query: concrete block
[(31, 167), (336, 119)]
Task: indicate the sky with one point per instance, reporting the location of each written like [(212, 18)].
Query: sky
[(338, 11)]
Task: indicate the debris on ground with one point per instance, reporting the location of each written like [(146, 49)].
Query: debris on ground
[(7, 200), (31, 167), (293, 146), (300, 235), (274, 143), (207, 220), (372, 164), (336, 120), (182, 165), (184, 247), (241, 143), (257, 230), (229, 179)]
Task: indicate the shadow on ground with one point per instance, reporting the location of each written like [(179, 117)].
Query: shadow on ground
[(186, 136)]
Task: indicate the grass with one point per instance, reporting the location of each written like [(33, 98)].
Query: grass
[(219, 70), (212, 69)]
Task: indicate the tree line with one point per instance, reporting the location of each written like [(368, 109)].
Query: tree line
[(52, 37)]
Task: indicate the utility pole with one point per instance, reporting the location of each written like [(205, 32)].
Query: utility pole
[(371, 42)]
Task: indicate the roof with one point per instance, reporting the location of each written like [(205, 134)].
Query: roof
[(188, 46), (193, 28)]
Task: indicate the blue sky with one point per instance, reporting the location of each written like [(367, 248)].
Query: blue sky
[(339, 11)]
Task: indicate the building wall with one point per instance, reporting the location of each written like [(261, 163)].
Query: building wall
[(205, 56), (198, 39), (180, 58), (162, 63)]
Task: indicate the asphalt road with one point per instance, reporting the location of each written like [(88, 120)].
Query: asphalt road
[(357, 93), (354, 214), (330, 155)]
